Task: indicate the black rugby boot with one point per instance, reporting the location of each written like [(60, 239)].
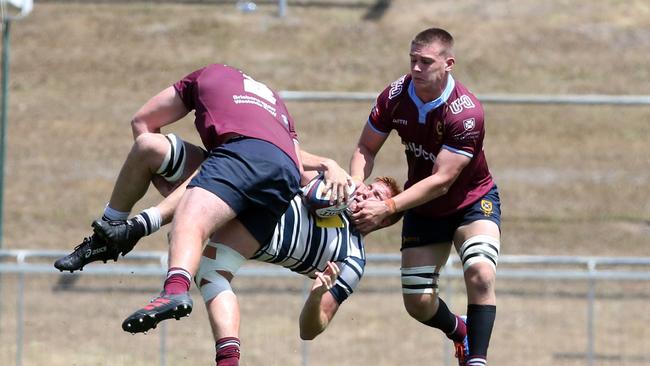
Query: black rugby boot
[(123, 234), (92, 249)]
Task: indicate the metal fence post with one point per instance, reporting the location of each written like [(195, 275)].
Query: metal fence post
[(304, 346), (20, 318), (591, 299), (282, 8), (163, 344)]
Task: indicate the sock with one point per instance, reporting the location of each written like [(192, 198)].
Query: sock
[(111, 214), (480, 320), (459, 332), (446, 321), (227, 351), (150, 219), (178, 281)]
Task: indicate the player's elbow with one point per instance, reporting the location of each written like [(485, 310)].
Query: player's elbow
[(138, 125), (311, 329), (309, 334)]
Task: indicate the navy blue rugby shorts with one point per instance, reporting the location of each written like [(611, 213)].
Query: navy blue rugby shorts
[(418, 230), (255, 178)]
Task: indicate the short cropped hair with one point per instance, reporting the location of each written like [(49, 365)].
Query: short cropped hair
[(435, 35)]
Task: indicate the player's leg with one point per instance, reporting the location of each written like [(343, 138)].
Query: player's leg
[(150, 156), (174, 172), (240, 175), (478, 243), (219, 263), (199, 213), (421, 265)]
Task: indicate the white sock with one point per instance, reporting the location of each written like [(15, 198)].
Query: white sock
[(151, 220), (111, 214)]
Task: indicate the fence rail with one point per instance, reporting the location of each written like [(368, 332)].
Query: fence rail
[(153, 263), (578, 99)]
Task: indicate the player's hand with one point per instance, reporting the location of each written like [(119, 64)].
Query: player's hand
[(369, 214), (325, 280), (338, 182)]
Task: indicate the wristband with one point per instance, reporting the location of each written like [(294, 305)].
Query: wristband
[(391, 206)]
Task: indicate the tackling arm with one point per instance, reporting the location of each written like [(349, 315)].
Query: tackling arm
[(445, 171), (363, 157), (336, 177), (164, 108)]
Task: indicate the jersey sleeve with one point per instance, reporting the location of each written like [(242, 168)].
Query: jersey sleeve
[(380, 117), (348, 280), (464, 133), (186, 89)]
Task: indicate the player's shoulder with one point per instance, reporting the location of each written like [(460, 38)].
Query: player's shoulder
[(463, 104), (396, 90)]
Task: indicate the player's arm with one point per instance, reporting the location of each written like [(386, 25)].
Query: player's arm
[(336, 178), (164, 108), (446, 170), (321, 306), (363, 157)]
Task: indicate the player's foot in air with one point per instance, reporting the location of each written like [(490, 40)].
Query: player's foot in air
[(92, 249), (163, 307), (123, 234), (462, 348)]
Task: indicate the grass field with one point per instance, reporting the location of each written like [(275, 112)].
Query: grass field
[(573, 179)]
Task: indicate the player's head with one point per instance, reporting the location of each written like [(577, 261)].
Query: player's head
[(382, 188), (432, 57)]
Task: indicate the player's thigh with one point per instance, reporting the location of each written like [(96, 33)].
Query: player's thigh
[(426, 255), (475, 228), (235, 235), (201, 211)]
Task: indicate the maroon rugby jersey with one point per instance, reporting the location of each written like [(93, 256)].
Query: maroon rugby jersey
[(454, 121), (225, 100)]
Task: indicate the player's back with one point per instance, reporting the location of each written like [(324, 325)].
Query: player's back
[(302, 245)]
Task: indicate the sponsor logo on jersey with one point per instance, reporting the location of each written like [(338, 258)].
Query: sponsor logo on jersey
[(463, 102), (469, 124), (396, 87), (419, 152), (440, 130), (400, 121), (486, 207)]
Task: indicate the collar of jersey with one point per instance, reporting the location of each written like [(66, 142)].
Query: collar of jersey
[(425, 108)]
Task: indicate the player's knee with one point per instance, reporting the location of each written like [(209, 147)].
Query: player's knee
[(217, 262), (173, 159), (145, 144), (419, 290), (479, 255), (480, 278), (419, 308)]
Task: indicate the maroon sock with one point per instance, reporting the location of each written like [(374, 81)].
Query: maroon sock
[(227, 351), (460, 332), (178, 281)]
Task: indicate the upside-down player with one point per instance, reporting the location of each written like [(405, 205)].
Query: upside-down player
[(331, 251)]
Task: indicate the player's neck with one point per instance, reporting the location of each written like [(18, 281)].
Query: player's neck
[(432, 92)]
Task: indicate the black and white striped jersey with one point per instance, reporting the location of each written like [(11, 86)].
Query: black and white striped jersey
[(301, 245)]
